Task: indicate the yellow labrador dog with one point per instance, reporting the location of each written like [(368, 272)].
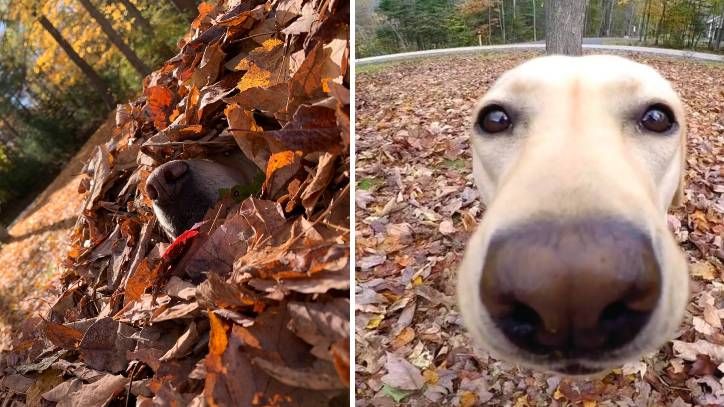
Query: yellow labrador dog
[(573, 268)]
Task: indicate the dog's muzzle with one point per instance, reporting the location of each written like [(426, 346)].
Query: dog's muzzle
[(570, 289)]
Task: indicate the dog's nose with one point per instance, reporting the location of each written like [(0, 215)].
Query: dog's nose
[(161, 182), (571, 289)]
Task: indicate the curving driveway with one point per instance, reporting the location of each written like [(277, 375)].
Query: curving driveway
[(463, 50)]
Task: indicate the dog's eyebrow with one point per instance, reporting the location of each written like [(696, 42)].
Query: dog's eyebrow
[(526, 85)]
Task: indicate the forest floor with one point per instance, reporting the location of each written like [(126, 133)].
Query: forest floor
[(31, 261), (416, 205)]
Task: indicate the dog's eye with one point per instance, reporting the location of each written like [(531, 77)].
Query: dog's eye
[(657, 118), (493, 119)]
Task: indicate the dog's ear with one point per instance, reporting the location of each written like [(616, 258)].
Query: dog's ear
[(678, 199)]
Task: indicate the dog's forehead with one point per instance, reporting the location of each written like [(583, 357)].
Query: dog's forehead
[(602, 72)]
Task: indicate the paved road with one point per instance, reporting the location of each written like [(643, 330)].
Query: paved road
[(468, 50)]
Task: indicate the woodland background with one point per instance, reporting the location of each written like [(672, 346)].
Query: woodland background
[(64, 64), (390, 26)]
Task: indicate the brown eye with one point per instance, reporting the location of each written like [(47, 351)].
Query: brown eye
[(657, 118), (493, 119)]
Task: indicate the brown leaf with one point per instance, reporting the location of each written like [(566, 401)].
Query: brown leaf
[(74, 393), (703, 366), (232, 378), (210, 66), (320, 377), (248, 134), (105, 343), (62, 336), (402, 374)]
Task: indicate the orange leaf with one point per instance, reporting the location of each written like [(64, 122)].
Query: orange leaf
[(137, 283), (159, 101), (218, 341), (280, 160), (282, 166), (247, 338), (255, 77), (204, 10), (340, 358)]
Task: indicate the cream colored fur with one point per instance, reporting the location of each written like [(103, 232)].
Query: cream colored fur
[(576, 150)]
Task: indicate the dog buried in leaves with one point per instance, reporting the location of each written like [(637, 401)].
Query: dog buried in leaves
[(573, 268), (182, 191)]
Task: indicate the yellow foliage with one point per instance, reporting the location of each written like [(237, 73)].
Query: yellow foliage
[(4, 160), (79, 29)]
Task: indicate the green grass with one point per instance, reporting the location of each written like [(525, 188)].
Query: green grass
[(457, 164), (367, 184), (374, 68)]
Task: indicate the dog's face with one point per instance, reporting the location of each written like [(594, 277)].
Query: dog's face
[(573, 269), (183, 190)]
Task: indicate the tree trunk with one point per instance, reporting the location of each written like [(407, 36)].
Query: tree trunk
[(605, 26), (641, 23), (502, 19), (720, 37), (564, 27), (535, 36), (609, 23), (647, 17), (95, 80), (514, 32), (9, 127), (630, 13), (187, 7), (660, 23), (115, 38), (146, 26), (692, 24), (137, 17), (490, 26)]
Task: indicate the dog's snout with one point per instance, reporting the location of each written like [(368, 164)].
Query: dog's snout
[(571, 289), (160, 183)]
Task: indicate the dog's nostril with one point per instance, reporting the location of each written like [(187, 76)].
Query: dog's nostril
[(620, 323), (520, 324), (614, 313), (151, 192), (525, 320)]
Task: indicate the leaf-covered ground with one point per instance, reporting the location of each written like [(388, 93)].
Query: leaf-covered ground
[(416, 205), (31, 260)]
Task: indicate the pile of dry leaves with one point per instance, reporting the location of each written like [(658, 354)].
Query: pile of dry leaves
[(417, 205), (251, 306)]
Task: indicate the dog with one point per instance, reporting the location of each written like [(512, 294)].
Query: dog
[(573, 269), (182, 191)]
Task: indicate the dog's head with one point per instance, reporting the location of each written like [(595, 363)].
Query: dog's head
[(183, 190), (573, 268)]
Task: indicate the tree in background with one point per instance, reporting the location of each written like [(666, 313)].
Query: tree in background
[(407, 25), (63, 66), (115, 38), (564, 27), (424, 24), (93, 78)]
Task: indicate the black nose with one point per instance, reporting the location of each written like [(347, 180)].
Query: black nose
[(160, 183), (571, 289)]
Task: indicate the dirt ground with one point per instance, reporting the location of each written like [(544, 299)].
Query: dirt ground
[(417, 205), (30, 261)]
